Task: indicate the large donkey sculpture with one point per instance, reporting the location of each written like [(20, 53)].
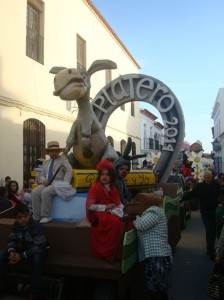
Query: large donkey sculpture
[(86, 136)]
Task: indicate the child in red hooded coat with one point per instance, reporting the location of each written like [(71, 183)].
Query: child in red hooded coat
[(103, 198)]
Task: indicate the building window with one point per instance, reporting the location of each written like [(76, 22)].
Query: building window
[(132, 109), (156, 141), (81, 53), (151, 144), (35, 30), (108, 76), (33, 145), (146, 143), (157, 145)]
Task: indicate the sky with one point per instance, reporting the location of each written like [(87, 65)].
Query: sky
[(181, 43)]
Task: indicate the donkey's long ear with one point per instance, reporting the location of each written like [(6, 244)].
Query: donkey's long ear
[(56, 70), (101, 64), (127, 149)]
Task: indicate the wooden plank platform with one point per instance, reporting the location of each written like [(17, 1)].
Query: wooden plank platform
[(69, 252)]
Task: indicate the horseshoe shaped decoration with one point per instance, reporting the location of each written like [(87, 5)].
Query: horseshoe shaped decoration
[(139, 87)]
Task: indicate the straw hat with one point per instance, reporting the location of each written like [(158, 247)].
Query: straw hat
[(52, 145)]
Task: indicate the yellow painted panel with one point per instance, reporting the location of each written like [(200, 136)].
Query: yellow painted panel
[(140, 179), (83, 179)]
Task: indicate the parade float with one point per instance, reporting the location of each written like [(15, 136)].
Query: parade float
[(86, 145)]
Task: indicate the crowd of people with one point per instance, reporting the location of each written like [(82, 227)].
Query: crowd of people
[(9, 194), (105, 204), (104, 208)]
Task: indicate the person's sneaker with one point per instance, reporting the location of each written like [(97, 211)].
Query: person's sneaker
[(45, 220)]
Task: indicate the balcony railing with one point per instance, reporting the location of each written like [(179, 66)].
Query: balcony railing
[(151, 144), (34, 45)]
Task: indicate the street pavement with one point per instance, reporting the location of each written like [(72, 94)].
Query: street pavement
[(192, 267)]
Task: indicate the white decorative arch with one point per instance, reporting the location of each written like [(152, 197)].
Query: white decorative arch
[(139, 87)]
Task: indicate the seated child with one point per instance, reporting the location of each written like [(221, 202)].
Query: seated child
[(27, 241), (4, 201), (102, 205), (13, 195)]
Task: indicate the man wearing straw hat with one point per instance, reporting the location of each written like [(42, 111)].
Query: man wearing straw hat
[(57, 168)]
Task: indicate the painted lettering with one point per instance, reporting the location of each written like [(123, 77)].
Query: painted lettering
[(121, 91), (159, 87), (140, 87), (108, 98), (131, 84), (168, 148), (166, 141), (142, 84), (174, 122), (171, 132), (165, 109), (100, 105)]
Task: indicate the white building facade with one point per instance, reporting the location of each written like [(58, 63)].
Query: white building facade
[(218, 132), (37, 35), (152, 136)]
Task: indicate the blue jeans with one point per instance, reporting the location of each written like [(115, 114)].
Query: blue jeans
[(208, 219), (36, 268)]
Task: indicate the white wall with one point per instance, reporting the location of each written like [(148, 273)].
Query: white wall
[(26, 86)]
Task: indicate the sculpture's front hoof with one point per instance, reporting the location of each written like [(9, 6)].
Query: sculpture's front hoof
[(87, 152), (67, 149)]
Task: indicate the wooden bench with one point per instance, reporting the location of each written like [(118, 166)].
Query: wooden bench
[(8, 213), (69, 252), (69, 255)]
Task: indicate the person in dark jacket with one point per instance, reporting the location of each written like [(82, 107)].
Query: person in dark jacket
[(4, 201), (207, 193), (27, 241), (7, 181), (122, 167)]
